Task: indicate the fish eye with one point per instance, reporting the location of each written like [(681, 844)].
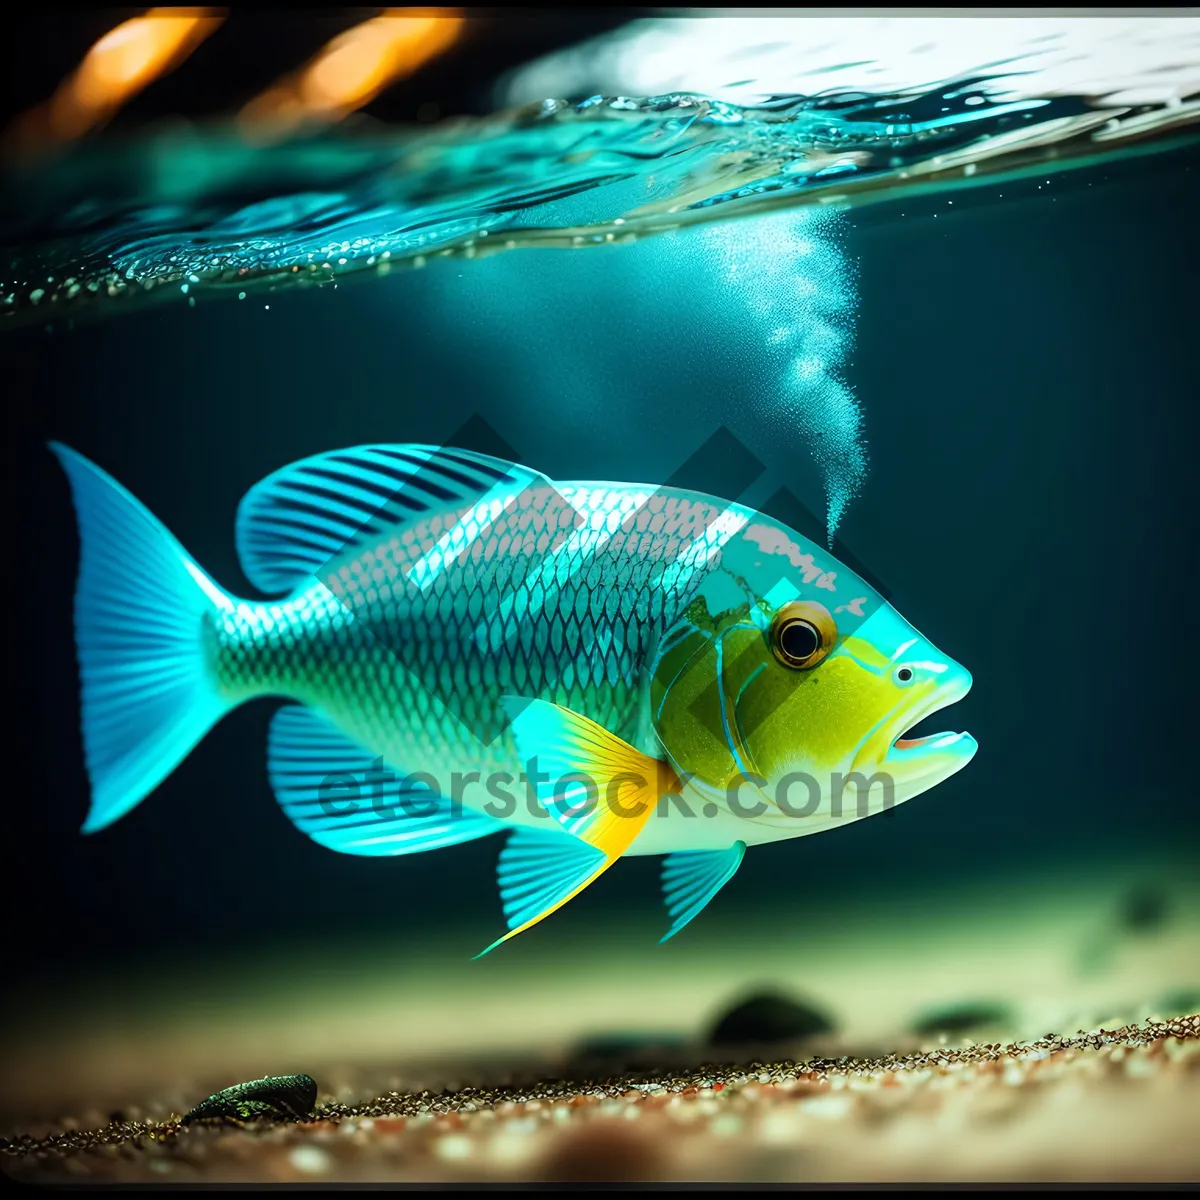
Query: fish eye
[(802, 634), (799, 641), (904, 674)]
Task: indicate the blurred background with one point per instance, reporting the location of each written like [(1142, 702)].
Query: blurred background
[(1022, 361), (216, 61)]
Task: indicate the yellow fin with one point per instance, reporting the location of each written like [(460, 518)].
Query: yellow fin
[(551, 908), (600, 789), (596, 786)]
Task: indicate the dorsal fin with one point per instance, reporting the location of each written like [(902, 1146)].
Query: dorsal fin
[(292, 523)]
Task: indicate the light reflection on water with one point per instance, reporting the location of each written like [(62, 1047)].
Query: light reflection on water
[(739, 115)]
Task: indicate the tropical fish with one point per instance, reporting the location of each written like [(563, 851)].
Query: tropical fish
[(466, 647)]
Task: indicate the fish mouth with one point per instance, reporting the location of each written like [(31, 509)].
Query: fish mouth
[(920, 753)]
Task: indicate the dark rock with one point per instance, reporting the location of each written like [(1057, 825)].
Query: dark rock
[(962, 1018), (1144, 909), (276, 1096), (766, 1018), (1184, 1002), (631, 1050)]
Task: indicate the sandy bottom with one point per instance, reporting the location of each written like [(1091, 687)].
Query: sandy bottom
[(451, 1070)]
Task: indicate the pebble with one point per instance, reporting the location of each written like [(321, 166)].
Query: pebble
[(828, 1106), (453, 1147), (726, 1125), (779, 1128), (1140, 1066), (309, 1160)]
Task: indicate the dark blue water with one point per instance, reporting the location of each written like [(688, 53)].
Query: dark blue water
[(1020, 370)]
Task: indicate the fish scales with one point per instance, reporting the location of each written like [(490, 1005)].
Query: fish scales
[(524, 605)]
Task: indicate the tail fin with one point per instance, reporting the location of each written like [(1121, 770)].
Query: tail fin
[(148, 693)]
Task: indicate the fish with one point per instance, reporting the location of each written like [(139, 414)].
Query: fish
[(464, 648)]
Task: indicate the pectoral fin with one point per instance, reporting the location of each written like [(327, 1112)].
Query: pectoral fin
[(599, 789)]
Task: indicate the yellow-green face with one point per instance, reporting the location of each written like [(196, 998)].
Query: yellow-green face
[(789, 703)]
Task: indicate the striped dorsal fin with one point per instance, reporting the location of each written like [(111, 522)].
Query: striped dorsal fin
[(302, 516)]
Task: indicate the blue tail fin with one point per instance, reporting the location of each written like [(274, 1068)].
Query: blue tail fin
[(148, 693)]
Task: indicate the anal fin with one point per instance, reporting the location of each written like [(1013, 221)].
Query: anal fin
[(346, 799)]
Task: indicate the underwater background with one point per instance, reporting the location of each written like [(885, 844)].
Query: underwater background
[(1003, 434)]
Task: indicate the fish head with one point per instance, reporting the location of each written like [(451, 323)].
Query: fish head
[(788, 678)]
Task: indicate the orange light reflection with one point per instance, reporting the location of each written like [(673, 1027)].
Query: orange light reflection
[(352, 70), (121, 64)]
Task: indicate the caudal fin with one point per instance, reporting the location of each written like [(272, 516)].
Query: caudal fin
[(148, 692)]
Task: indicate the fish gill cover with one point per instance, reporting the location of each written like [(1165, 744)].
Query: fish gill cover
[(953, 103)]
